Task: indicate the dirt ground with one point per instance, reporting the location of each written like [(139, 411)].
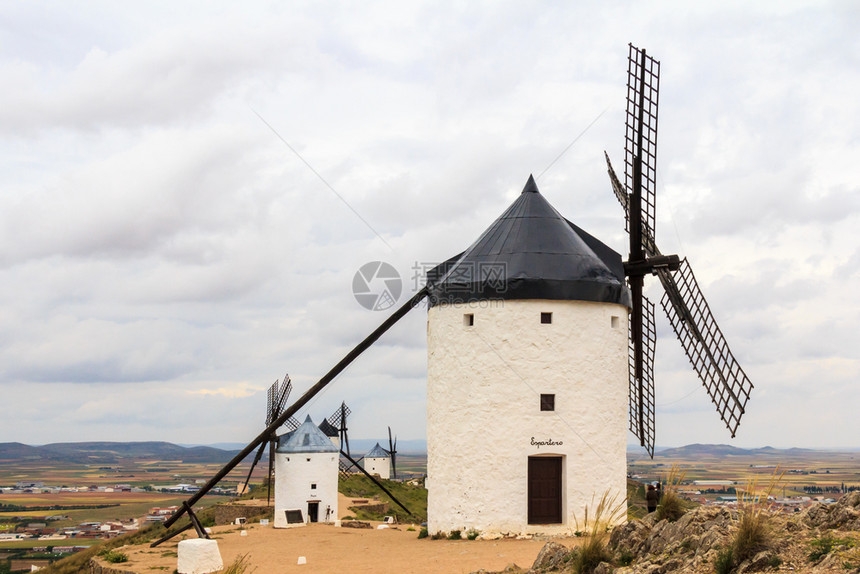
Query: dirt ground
[(326, 548)]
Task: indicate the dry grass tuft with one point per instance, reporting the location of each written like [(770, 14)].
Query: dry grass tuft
[(753, 534), (606, 513), (239, 566), (670, 506)]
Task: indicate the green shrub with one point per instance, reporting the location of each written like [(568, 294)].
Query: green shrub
[(471, 534), (438, 536), (625, 558), (821, 546), (725, 561), (454, 535), (774, 561), (115, 556), (410, 529), (422, 533)]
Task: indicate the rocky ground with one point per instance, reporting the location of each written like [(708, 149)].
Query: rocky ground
[(694, 542)]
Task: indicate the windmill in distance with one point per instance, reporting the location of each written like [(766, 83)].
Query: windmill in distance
[(337, 422), (685, 306), (276, 401), (392, 451)]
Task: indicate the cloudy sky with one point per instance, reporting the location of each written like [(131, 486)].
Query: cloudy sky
[(165, 255)]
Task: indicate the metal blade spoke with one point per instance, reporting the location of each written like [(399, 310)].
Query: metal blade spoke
[(703, 342)]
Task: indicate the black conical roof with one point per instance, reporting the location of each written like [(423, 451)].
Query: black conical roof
[(532, 252)]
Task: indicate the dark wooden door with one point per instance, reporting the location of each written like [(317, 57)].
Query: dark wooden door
[(313, 511), (544, 490)]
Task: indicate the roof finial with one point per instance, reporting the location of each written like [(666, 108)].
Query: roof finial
[(531, 186)]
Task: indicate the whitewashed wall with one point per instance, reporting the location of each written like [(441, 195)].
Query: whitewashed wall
[(483, 409), (380, 466), (294, 474)]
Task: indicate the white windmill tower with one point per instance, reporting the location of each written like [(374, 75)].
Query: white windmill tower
[(527, 375), (306, 468)]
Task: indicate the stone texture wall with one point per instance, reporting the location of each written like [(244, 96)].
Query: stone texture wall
[(484, 418), (228, 513)]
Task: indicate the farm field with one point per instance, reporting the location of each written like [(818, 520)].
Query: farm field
[(124, 505), (140, 473), (802, 468)]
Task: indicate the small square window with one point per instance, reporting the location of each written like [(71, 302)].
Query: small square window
[(313, 486), (309, 460), (468, 319), (614, 322), (547, 402), (546, 318)]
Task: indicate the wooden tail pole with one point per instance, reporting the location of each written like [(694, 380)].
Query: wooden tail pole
[(303, 400)]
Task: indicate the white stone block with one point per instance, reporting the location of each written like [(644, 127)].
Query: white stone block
[(302, 560), (199, 556), (243, 533)]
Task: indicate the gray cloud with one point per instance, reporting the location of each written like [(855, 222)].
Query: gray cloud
[(154, 233)]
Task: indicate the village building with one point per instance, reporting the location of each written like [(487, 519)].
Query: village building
[(378, 461), (527, 376), (306, 474)]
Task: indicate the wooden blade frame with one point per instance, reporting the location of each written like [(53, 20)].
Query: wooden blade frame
[(640, 139), (640, 169), (685, 306), (706, 348), (338, 420), (641, 405)]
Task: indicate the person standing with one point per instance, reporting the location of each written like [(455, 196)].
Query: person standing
[(652, 497)]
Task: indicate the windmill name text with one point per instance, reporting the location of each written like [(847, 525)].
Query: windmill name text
[(547, 442)]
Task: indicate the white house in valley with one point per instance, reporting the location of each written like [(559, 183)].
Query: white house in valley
[(306, 473), (527, 376)]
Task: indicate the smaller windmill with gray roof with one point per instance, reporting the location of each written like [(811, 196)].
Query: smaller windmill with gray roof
[(378, 461), (306, 471)]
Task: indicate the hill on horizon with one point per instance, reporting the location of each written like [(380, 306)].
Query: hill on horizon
[(696, 450), (104, 452), (111, 452)]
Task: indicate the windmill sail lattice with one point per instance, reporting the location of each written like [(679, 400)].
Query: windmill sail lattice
[(276, 400), (640, 139), (688, 312), (726, 382), (642, 409), (338, 421)]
